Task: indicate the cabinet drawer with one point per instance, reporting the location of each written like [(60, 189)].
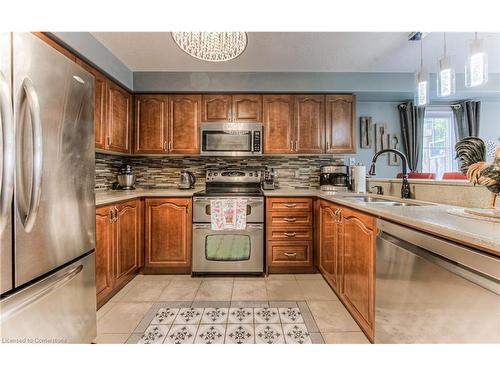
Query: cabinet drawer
[(292, 234), (293, 252), (289, 204), (290, 219)]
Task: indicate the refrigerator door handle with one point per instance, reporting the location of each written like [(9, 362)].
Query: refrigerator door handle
[(7, 134), (43, 290), (29, 94)]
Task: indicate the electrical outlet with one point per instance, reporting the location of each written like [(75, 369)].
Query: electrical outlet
[(352, 161)]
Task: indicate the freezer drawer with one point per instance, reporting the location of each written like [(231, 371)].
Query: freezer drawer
[(60, 308)]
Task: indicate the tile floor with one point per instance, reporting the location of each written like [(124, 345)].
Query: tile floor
[(125, 317)]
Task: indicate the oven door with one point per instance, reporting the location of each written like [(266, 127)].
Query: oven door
[(229, 251)]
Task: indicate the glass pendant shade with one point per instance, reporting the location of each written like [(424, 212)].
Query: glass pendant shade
[(212, 46), (476, 69), (445, 78), (421, 89)]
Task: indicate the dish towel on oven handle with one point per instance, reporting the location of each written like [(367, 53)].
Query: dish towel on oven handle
[(228, 214)]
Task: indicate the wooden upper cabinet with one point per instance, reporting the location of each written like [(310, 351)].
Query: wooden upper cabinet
[(247, 108), (358, 257), (309, 124), (119, 118), (55, 45), (216, 108), (103, 253), (168, 233), (278, 124), (151, 124), (185, 118), (100, 104), (128, 239), (340, 124), (329, 246)]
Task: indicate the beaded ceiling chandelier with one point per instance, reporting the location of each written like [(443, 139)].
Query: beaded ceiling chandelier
[(212, 46)]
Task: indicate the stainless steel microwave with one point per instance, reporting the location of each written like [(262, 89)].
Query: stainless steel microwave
[(231, 139)]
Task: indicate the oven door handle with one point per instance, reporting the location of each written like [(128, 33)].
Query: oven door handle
[(209, 226)]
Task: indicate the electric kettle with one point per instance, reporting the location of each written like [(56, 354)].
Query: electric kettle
[(187, 180)]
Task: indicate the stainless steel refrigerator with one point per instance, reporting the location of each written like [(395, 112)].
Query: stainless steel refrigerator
[(47, 204)]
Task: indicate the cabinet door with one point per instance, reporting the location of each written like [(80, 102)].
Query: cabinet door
[(119, 118), (329, 240), (358, 269), (185, 116), (247, 108), (278, 124), (151, 130), (216, 108), (340, 124), (100, 104), (103, 253), (309, 124), (128, 235), (168, 233)]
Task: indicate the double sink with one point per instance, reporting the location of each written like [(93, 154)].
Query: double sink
[(381, 201)]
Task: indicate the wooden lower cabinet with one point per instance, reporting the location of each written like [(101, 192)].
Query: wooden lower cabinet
[(289, 234), (128, 239), (358, 267), (346, 258), (103, 253), (329, 243), (168, 232), (118, 247)]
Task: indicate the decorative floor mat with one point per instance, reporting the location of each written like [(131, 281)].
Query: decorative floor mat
[(227, 323)]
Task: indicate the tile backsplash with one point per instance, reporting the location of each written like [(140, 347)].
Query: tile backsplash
[(163, 172)]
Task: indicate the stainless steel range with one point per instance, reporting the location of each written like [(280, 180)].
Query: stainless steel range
[(229, 251)]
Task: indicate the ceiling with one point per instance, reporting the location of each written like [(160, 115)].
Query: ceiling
[(302, 52)]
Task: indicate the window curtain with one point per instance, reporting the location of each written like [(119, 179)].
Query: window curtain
[(466, 116), (412, 123)]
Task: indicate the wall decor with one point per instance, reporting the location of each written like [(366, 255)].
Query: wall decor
[(380, 136), (393, 142), (366, 132)]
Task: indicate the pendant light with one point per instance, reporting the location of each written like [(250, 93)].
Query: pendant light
[(422, 82), (446, 75), (476, 69)]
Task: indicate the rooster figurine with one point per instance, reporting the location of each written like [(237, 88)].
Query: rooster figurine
[(471, 152)]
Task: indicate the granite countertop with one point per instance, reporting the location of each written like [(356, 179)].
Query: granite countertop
[(113, 196), (432, 218)]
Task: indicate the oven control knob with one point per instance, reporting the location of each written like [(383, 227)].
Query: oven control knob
[(251, 174), (215, 173)]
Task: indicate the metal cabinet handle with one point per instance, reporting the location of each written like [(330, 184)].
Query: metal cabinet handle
[(327, 145), (170, 146), (29, 208), (165, 146), (293, 234), (296, 145), (116, 214), (8, 141), (111, 216), (291, 145), (109, 140), (290, 219), (290, 205), (290, 254)]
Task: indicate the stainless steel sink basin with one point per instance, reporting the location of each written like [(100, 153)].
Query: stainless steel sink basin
[(380, 201)]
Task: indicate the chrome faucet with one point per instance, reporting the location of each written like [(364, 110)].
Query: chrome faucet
[(405, 186)]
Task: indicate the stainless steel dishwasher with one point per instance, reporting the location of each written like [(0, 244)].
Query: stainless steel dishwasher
[(429, 290)]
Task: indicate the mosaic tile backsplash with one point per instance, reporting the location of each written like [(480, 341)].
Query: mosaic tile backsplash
[(163, 172)]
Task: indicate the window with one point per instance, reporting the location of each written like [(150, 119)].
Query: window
[(439, 142)]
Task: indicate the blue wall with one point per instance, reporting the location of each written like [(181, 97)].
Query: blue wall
[(90, 48)]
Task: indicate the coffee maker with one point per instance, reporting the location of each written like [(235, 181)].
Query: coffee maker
[(334, 178)]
